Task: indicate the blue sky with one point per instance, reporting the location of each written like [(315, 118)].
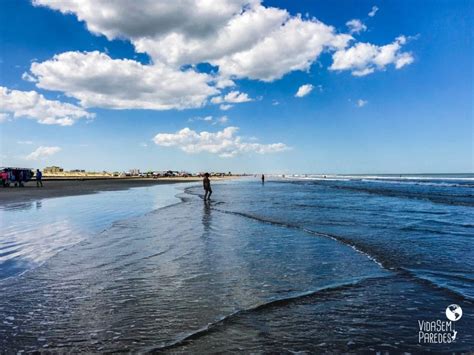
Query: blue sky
[(372, 109)]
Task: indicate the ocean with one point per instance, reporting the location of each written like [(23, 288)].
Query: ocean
[(310, 263)]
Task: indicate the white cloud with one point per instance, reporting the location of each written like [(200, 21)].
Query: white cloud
[(25, 142), (403, 59), (294, 45), (373, 11), (356, 26), (33, 105), (242, 38), (147, 18), (239, 33), (225, 107), (97, 80), (222, 120), (224, 143), (361, 103), (304, 90), (27, 77), (222, 83), (42, 152), (365, 58), (234, 97), (199, 118)]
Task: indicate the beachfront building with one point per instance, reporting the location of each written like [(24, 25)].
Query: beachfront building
[(134, 172), (53, 170)]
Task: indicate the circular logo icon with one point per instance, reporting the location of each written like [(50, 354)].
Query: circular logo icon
[(453, 312)]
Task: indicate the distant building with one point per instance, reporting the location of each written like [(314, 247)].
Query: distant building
[(77, 171), (133, 172), (53, 170)]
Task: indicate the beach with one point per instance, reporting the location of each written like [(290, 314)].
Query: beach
[(236, 177), (293, 265), (71, 187)]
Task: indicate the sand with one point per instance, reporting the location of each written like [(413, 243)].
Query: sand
[(70, 187)]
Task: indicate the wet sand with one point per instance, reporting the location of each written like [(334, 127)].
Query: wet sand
[(71, 187)]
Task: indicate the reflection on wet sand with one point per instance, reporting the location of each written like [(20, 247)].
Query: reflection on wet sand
[(34, 231)]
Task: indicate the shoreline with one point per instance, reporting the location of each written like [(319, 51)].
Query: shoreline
[(74, 187)]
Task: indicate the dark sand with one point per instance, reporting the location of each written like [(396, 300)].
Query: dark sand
[(71, 187)]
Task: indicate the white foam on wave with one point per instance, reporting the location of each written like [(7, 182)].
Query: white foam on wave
[(411, 180)]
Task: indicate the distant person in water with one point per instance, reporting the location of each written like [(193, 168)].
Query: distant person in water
[(263, 179), (207, 187), (39, 178)]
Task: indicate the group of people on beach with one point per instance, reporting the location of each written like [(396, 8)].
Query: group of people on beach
[(18, 177), (15, 177)]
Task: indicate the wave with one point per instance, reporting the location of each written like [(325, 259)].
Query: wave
[(440, 198), (361, 248), (435, 283), (441, 182), (272, 303), (445, 199), (419, 183), (394, 177), (450, 274), (356, 246)]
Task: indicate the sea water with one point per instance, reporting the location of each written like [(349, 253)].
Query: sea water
[(303, 263)]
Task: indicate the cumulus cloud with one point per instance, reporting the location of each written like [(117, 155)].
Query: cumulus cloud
[(234, 97), (30, 104), (304, 90), (361, 103), (224, 143), (373, 11), (356, 26), (365, 58), (239, 38), (147, 18), (241, 32), (97, 80), (42, 152), (294, 45)]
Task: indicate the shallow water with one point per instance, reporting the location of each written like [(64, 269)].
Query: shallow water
[(292, 265), (32, 232)]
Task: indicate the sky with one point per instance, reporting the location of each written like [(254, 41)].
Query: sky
[(238, 85)]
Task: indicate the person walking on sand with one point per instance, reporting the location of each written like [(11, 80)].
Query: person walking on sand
[(207, 187), (39, 177)]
